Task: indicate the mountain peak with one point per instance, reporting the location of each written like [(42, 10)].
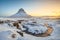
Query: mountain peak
[(21, 10), (20, 13)]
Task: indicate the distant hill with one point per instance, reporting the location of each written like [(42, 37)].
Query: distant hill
[(50, 17)]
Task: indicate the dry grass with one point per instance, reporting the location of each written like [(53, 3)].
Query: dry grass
[(16, 24), (1, 22), (13, 36), (21, 33)]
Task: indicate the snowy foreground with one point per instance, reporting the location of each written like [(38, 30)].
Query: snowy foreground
[(7, 30)]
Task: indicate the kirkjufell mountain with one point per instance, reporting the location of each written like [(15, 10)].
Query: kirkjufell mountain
[(20, 13)]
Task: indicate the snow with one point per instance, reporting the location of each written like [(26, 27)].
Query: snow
[(35, 28), (20, 13), (6, 31)]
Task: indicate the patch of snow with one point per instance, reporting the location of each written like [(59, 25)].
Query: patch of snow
[(7, 31), (35, 28)]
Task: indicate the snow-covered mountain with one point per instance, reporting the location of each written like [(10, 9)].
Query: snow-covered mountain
[(20, 13)]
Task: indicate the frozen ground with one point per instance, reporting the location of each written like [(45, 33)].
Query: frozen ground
[(6, 31)]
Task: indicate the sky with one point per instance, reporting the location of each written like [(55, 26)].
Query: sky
[(32, 7)]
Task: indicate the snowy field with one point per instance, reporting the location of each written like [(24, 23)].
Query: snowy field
[(6, 30)]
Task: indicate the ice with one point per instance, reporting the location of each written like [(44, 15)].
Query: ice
[(35, 28), (6, 31)]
